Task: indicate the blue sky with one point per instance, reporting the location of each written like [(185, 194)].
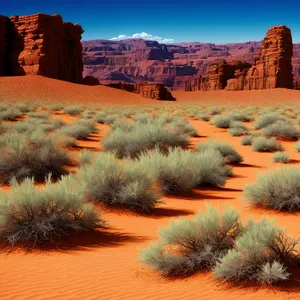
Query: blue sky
[(187, 20)]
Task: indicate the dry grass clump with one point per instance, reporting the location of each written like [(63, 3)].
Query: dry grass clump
[(81, 129), (73, 110), (277, 189), (119, 184), (262, 144), (282, 129), (281, 157), (267, 119), (29, 217), (180, 171), (247, 140), (226, 150), (11, 113), (34, 156)]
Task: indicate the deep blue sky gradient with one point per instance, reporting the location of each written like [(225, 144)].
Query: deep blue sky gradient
[(187, 20)]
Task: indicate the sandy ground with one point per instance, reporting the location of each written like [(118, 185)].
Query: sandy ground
[(104, 265), (42, 89)]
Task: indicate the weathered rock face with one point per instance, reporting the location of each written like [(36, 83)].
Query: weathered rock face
[(3, 44), (273, 68), (44, 45), (218, 74), (145, 89)]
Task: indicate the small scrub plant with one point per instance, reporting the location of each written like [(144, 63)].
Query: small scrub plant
[(261, 255), (267, 119), (29, 217), (221, 121), (117, 184), (282, 130), (226, 150), (262, 144), (4, 127), (246, 140), (10, 114), (191, 245), (140, 138), (72, 110), (180, 171), (277, 189), (281, 157), (34, 156), (80, 130)]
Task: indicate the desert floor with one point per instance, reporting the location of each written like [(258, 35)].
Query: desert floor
[(104, 265)]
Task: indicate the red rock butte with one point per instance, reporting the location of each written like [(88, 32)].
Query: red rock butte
[(41, 44)]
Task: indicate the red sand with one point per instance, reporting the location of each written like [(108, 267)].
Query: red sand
[(104, 266)]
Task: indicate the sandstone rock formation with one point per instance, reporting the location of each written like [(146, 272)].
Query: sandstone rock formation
[(41, 44), (90, 80), (145, 89), (178, 66), (273, 67)]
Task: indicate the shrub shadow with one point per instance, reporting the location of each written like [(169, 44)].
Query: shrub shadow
[(84, 241), (197, 195)]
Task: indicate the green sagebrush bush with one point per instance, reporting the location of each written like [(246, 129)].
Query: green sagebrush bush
[(80, 130), (247, 140), (85, 156), (281, 157), (119, 184), (221, 121), (10, 113), (257, 253), (267, 119), (260, 255), (29, 217), (262, 144), (226, 150), (141, 137), (31, 156), (191, 245), (277, 189), (282, 129), (180, 171)]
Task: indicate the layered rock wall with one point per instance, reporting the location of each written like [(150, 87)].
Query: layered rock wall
[(41, 44), (145, 89)]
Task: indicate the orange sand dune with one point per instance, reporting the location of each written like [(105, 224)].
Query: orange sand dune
[(104, 266), (39, 88)]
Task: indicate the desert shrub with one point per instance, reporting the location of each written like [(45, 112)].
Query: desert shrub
[(141, 138), (119, 184), (73, 110), (39, 115), (240, 116), (191, 245), (104, 117), (180, 171), (237, 131), (87, 114), (267, 119), (10, 114), (226, 150), (63, 140), (260, 255), (203, 116), (281, 157), (85, 156), (246, 140), (4, 127), (262, 144), (181, 127), (31, 156), (55, 107), (29, 217), (3, 107), (78, 130), (297, 146), (221, 121), (141, 117), (277, 189), (215, 110), (282, 129)]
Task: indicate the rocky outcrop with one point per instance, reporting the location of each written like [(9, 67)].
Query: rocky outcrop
[(145, 89), (3, 44), (41, 44), (90, 80), (178, 66)]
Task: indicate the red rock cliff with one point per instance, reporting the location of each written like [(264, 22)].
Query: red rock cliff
[(273, 67), (40, 44)]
